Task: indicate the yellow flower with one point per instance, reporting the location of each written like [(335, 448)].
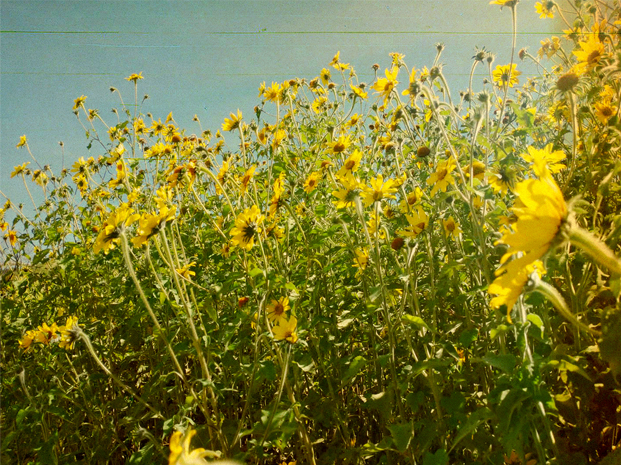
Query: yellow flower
[(451, 228), (544, 9), (319, 104), (411, 199), (478, 170), (11, 236), (279, 136), (46, 334), (604, 111), (180, 453), (311, 182), (540, 213), (354, 120), (22, 141), (79, 102), (277, 310), (285, 330), (185, 271), (505, 76), (509, 3), (247, 226), (233, 123), (510, 281), (361, 260), (549, 48), (589, 56), (222, 174), (359, 92), (150, 224), (546, 155), (442, 176), (378, 190), (111, 230), (19, 169), (413, 88), (373, 226), (324, 75), (26, 341), (418, 221), (502, 180), (335, 63), (134, 77), (340, 145), (69, 333), (385, 85), (39, 177), (121, 172), (245, 180), (346, 196), (351, 164), (273, 93)]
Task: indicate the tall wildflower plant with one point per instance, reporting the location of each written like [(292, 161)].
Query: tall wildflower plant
[(383, 272)]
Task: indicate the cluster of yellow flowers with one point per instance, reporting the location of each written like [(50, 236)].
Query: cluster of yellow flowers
[(45, 334)]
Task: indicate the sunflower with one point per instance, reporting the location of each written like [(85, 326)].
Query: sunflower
[(506, 75), (311, 182), (347, 196), (351, 164), (418, 221), (361, 260), (442, 176), (340, 145), (247, 226), (451, 228), (592, 51), (285, 330), (233, 123), (110, 232), (385, 85), (540, 212), (378, 190), (547, 155), (277, 310)]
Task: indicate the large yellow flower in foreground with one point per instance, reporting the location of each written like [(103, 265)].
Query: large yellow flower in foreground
[(180, 453), (540, 212), (247, 227)]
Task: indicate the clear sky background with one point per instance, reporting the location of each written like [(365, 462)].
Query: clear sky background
[(208, 57)]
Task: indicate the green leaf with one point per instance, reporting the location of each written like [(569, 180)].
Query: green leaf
[(439, 458), (416, 321), (401, 435), (467, 337), (354, 368), (609, 345), (498, 331), (536, 320), (255, 271), (469, 427), (505, 362)]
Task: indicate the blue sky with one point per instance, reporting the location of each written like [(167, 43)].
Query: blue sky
[(208, 57)]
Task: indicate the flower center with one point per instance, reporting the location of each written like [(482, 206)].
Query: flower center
[(248, 231)]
